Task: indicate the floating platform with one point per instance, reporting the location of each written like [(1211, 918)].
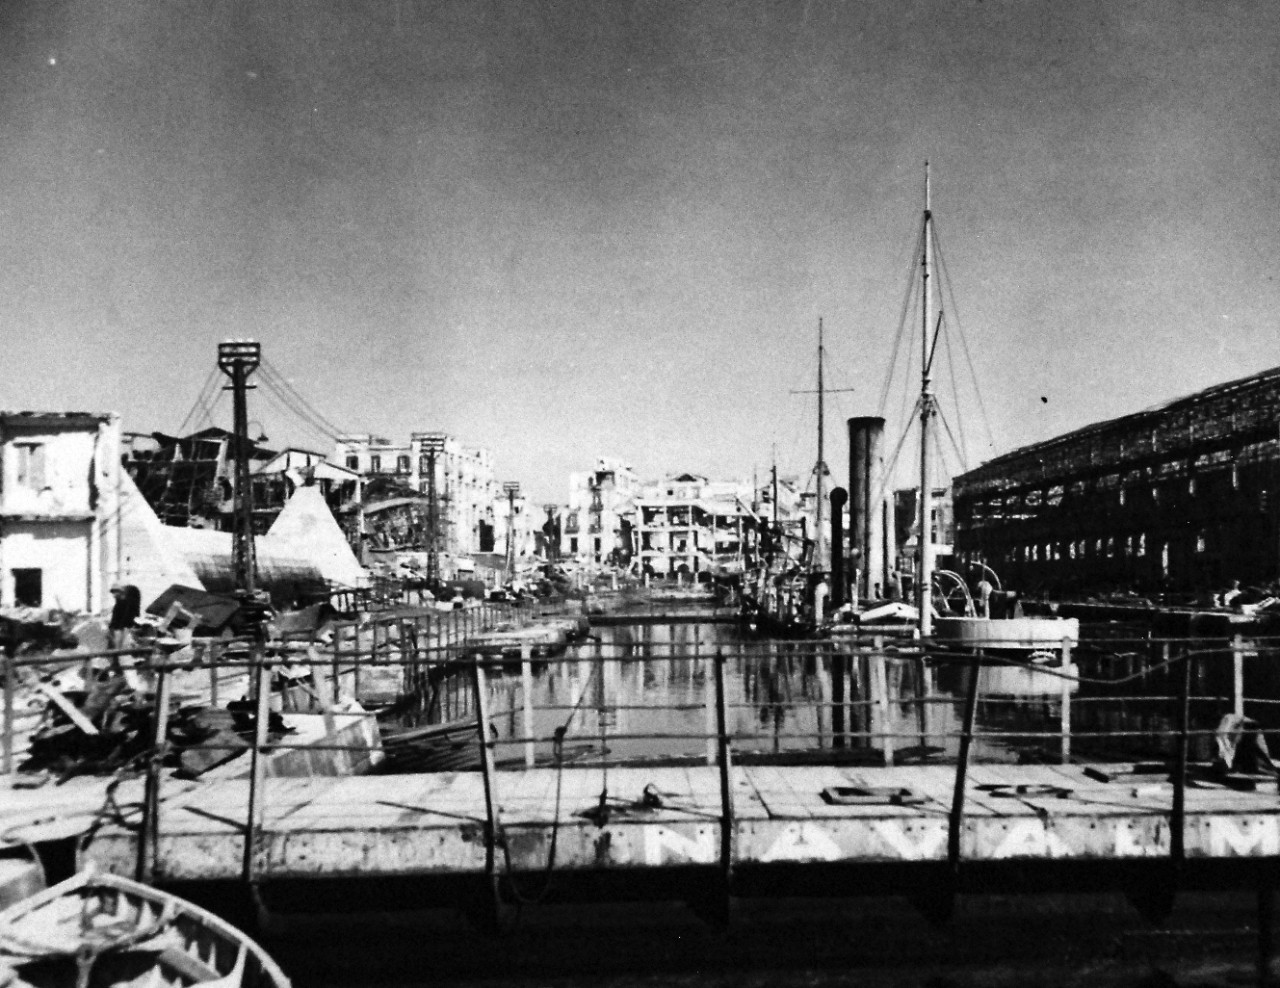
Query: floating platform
[(665, 821)]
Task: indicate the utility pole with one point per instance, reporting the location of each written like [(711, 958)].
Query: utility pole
[(431, 446), (512, 489), (238, 359)]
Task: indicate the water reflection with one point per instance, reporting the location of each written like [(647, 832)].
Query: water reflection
[(646, 692)]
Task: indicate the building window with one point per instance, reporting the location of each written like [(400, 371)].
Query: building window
[(30, 467), (28, 588), (375, 464), (573, 545), (353, 463)]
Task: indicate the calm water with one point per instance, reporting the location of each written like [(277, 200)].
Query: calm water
[(641, 693), (647, 692)]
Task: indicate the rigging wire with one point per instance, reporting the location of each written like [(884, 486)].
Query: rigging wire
[(964, 343), (208, 407), (893, 460), (950, 435), (201, 398), (963, 449), (907, 416), (908, 303)]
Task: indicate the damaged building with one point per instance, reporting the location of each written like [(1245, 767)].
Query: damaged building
[(1178, 498), (189, 481), (59, 516)]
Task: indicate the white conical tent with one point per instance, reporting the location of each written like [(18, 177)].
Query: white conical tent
[(306, 528), (150, 558)]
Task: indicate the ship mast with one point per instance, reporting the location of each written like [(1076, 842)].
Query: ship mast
[(924, 584), (821, 544)]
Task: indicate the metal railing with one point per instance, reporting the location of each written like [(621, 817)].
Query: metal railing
[(878, 694)]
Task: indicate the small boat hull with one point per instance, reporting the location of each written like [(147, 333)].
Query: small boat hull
[(103, 930)]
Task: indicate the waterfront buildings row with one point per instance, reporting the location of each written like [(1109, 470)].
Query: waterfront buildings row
[(685, 525), (1181, 497)]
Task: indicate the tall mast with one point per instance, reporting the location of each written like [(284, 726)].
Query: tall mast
[(924, 585), (821, 545)]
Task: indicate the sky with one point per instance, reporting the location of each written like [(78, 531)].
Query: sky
[(566, 230)]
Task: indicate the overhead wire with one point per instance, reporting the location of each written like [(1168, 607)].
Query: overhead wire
[(298, 405), (285, 397), (280, 407)]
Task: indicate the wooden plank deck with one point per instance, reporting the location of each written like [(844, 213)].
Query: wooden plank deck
[(435, 824)]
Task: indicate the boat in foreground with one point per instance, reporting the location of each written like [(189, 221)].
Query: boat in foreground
[(103, 931)]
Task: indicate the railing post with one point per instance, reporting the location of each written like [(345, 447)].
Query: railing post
[(261, 674), (493, 823), (149, 836), (1237, 675), (880, 696), (209, 654), (839, 680), (526, 689), (355, 661), (337, 648), (1177, 849), (956, 821), (725, 752), (1065, 711), (10, 688)]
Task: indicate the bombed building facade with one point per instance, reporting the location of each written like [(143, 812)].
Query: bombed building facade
[(1179, 498)]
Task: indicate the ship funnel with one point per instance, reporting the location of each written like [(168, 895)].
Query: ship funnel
[(867, 548)]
